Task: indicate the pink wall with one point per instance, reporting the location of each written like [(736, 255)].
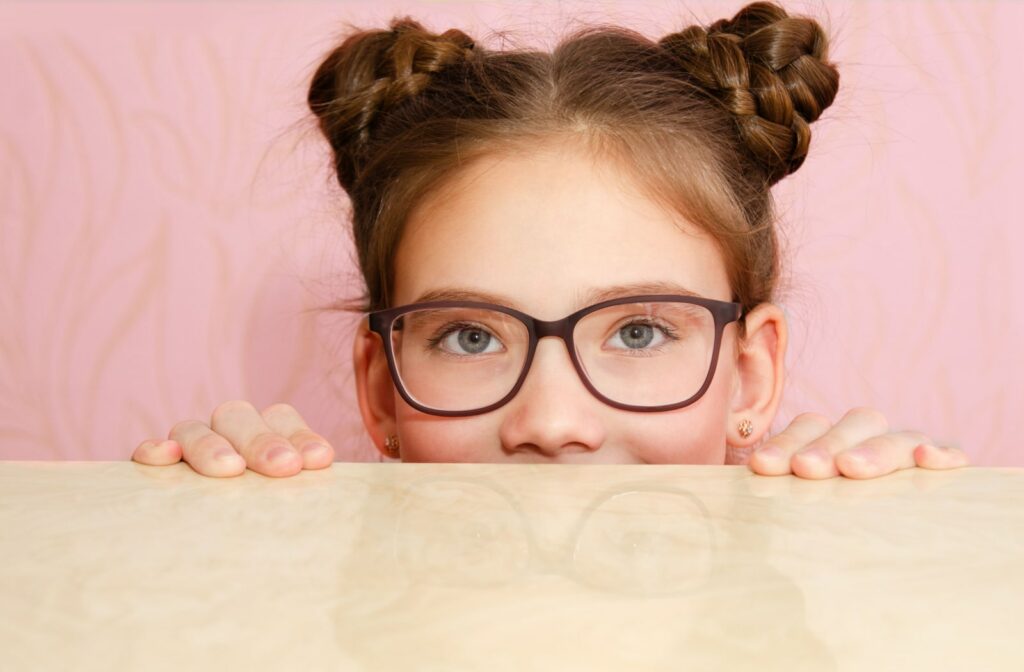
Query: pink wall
[(167, 217)]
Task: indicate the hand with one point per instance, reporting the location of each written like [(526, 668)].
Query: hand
[(858, 446), (276, 442)]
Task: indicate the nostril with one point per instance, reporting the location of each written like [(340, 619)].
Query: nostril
[(551, 452)]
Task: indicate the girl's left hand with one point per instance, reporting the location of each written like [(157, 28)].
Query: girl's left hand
[(860, 445)]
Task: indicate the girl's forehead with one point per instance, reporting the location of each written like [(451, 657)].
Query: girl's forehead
[(546, 229)]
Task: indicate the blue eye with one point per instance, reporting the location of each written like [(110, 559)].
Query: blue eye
[(640, 336), (467, 340), (636, 335)]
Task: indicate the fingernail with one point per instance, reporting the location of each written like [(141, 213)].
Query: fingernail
[(316, 449), (280, 454), (770, 452), (225, 455)]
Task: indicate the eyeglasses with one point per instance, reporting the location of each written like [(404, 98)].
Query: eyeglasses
[(636, 353)]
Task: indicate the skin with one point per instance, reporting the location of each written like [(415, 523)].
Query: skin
[(542, 233)]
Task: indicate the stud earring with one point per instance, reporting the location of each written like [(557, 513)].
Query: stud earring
[(746, 428), (391, 443)]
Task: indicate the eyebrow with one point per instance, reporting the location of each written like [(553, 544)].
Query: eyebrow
[(588, 298)]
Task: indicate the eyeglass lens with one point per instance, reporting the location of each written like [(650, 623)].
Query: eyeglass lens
[(640, 354)]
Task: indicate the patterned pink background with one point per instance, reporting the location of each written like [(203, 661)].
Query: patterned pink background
[(168, 216)]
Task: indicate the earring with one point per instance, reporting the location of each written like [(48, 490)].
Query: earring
[(391, 443), (746, 428)]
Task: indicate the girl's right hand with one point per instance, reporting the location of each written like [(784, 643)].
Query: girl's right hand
[(276, 442)]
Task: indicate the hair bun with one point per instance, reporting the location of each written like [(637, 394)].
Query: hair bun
[(371, 72), (770, 70)]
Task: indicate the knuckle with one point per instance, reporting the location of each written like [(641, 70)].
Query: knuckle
[(917, 438), (230, 407), (285, 419), (210, 443), (184, 427), (279, 408), (876, 443), (816, 419), (829, 444), (782, 440), (306, 436), (268, 440), (868, 414)]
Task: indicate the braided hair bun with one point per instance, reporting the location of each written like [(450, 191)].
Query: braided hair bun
[(771, 71), (371, 72)]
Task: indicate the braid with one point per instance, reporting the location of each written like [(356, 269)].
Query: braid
[(770, 71), (372, 72)]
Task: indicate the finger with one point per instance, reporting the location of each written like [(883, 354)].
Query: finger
[(774, 456), (264, 450), (206, 452), (880, 455), (157, 453), (817, 459), (930, 456), (283, 419)]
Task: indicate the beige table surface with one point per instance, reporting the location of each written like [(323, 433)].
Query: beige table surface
[(115, 565)]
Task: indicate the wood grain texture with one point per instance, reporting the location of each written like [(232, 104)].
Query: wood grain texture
[(508, 567)]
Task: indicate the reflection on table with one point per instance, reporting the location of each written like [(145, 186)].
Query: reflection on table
[(508, 567)]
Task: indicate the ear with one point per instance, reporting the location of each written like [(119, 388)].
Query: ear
[(374, 389), (760, 376)]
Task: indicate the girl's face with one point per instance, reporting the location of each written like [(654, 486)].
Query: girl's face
[(548, 234)]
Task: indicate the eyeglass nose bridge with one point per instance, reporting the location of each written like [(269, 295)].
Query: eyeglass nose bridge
[(560, 328)]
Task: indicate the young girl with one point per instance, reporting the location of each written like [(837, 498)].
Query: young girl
[(570, 256)]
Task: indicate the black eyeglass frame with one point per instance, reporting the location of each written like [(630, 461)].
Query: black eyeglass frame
[(382, 321)]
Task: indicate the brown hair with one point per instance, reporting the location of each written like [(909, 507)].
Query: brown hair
[(706, 119)]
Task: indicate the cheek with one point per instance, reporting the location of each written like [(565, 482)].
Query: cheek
[(430, 438), (695, 434)]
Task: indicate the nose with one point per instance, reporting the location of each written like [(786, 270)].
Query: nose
[(553, 413)]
